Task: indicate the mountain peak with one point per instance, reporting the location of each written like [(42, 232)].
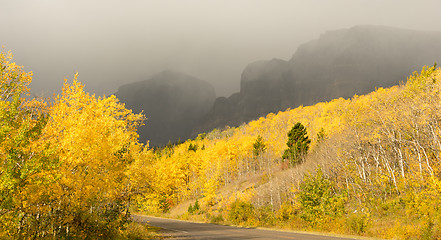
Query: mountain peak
[(173, 103)]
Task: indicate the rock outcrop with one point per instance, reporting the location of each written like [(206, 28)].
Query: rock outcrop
[(340, 63), (174, 104)]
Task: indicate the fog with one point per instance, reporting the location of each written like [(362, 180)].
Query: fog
[(110, 43)]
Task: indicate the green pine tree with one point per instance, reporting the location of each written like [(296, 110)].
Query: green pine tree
[(259, 146), (190, 209), (196, 206), (298, 145)]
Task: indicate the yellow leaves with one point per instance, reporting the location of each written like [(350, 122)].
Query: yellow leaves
[(12, 77), (87, 126), (210, 188), (371, 140), (94, 140), (66, 163)]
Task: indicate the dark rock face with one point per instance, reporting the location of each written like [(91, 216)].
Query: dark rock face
[(356, 61), (339, 64), (262, 87), (173, 103)]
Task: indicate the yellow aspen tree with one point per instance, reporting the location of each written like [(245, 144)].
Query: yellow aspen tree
[(22, 160), (93, 139)]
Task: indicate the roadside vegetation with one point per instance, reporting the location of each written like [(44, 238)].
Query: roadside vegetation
[(72, 168), (369, 166)]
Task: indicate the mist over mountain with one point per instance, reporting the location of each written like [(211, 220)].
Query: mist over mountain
[(339, 63), (173, 103)]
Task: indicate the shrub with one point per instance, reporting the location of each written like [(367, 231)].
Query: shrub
[(358, 223), (318, 199), (265, 215), (136, 231), (241, 212), (287, 211), (216, 219)]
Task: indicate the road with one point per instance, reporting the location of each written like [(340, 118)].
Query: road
[(176, 229)]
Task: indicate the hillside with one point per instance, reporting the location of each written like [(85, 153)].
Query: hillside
[(373, 167), (339, 63)]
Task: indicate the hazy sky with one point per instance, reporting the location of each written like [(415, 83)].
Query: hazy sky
[(115, 42)]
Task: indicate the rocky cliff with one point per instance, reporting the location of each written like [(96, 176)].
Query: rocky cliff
[(340, 63), (173, 103)]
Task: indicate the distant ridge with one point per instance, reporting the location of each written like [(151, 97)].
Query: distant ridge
[(340, 63), (173, 103)]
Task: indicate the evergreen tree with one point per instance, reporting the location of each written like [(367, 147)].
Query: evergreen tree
[(190, 209), (196, 206), (192, 147), (259, 146), (298, 144), (321, 135)]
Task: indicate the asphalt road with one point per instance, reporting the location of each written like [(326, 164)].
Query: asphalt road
[(176, 229)]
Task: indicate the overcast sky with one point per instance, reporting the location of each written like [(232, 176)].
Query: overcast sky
[(115, 42)]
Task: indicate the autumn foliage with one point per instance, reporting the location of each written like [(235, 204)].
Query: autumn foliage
[(72, 168), (378, 155), (64, 166)]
